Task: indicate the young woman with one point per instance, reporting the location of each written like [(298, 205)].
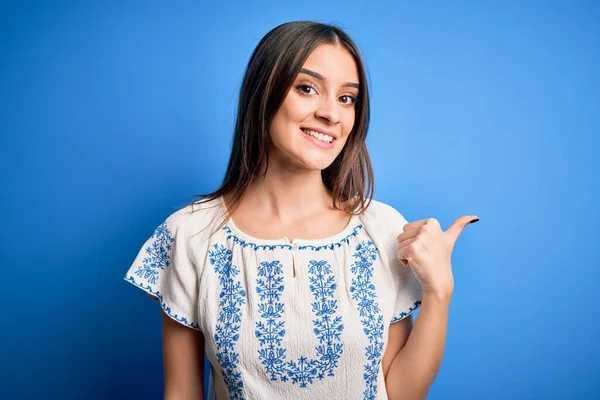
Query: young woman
[(296, 283)]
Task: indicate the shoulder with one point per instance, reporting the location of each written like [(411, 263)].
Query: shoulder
[(382, 214), (199, 219)]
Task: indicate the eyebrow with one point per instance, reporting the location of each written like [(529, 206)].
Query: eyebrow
[(322, 78)]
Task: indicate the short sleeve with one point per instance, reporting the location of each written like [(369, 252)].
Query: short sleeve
[(387, 223), (164, 268)]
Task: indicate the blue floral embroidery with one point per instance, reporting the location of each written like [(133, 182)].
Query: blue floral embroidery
[(232, 297), (270, 332), (158, 259), (363, 292), (328, 327), (332, 246), (158, 254), (254, 246), (402, 315), (304, 372)]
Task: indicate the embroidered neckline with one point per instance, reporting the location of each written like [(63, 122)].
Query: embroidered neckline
[(343, 237), (283, 244)]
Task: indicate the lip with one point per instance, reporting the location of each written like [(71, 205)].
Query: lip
[(323, 131)]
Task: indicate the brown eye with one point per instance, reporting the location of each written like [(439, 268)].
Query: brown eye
[(305, 88), (351, 98)]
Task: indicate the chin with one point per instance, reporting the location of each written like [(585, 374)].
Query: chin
[(309, 159), (317, 164)]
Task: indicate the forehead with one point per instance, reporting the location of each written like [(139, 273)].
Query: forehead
[(334, 62)]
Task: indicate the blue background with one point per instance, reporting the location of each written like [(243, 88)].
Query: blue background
[(114, 114)]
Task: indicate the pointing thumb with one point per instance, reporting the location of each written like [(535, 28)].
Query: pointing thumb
[(457, 227)]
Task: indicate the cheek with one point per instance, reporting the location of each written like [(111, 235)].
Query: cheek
[(290, 114), (295, 108), (282, 128), (348, 123)]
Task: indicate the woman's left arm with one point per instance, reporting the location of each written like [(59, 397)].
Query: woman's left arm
[(426, 250), (416, 364)]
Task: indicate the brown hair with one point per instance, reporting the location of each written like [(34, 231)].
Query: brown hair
[(268, 77)]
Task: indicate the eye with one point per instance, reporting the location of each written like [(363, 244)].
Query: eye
[(347, 98), (304, 88)]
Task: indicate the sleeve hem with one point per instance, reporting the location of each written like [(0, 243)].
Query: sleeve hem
[(159, 297), (404, 314)]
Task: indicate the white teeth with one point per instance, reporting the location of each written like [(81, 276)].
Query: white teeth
[(320, 136)]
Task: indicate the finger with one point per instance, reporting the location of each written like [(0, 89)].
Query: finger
[(457, 227), (401, 255), (415, 227), (411, 228), (411, 234), (405, 243), (414, 224)]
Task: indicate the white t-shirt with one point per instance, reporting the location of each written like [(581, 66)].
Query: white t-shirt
[(269, 334)]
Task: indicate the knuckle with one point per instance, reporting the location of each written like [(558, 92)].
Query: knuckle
[(412, 248)]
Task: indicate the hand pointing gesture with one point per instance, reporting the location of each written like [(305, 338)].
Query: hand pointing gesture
[(427, 250)]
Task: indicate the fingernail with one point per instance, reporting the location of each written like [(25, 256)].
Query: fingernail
[(473, 221)]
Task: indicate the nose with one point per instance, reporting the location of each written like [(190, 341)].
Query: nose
[(329, 110)]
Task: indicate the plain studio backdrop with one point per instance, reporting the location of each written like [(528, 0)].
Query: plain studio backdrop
[(114, 114)]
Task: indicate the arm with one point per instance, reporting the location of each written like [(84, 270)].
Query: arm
[(183, 360), (397, 337), (414, 368)]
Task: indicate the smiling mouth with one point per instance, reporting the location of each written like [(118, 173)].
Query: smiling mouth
[(319, 136)]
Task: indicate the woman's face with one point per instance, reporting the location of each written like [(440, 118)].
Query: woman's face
[(320, 103)]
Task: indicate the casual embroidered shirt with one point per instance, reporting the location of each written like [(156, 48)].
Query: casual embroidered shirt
[(272, 335)]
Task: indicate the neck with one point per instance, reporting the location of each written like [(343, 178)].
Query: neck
[(286, 192)]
